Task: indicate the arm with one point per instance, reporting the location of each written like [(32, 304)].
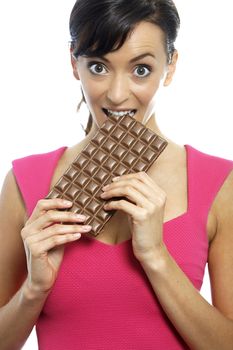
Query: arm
[(13, 272), (24, 288), (202, 326)]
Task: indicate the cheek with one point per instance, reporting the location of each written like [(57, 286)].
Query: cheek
[(91, 92), (146, 93), (89, 87)]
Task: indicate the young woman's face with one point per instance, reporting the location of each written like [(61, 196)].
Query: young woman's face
[(127, 79)]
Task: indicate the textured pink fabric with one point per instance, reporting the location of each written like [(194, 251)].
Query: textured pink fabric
[(102, 299), (34, 174)]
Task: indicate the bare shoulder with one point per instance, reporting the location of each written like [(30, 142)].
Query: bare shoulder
[(12, 256), (221, 248), (11, 197)]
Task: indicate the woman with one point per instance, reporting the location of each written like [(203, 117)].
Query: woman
[(136, 285)]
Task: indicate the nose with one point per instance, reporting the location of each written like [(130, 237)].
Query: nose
[(118, 90)]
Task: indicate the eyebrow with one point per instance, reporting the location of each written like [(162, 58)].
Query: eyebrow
[(137, 58)]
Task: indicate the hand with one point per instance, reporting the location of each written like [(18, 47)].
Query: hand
[(144, 203), (44, 237)]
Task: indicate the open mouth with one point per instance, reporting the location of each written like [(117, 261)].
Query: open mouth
[(110, 112)]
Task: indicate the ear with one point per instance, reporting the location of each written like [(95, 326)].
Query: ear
[(171, 68), (74, 63)]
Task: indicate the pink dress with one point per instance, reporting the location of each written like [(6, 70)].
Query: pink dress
[(102, 299)]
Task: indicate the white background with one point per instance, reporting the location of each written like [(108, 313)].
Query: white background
[(38, 91)]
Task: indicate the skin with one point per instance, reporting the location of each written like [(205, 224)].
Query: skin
[(120, 85), (29, 262)]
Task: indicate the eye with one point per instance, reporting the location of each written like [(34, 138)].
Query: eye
[(142, 71), (97, 68)]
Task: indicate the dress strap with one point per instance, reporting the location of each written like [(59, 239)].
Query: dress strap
[(207, 174)]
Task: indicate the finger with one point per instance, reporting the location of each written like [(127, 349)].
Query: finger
[(56, 230), (146, 185), (145, 190), (54, 216), (137, 213), (141, 176), (49, 218), (139, 186), (44, 205), (128, 191), (39, 249)]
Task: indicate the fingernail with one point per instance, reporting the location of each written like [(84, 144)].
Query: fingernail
[(105, 187), (103, 195), (86, 228), (80, 217), (65, 202), (116, 178), (77, 235)]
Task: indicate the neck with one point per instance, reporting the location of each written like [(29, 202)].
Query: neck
[(152, 124)]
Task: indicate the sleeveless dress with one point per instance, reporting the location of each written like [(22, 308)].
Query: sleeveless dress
[(102, 299)]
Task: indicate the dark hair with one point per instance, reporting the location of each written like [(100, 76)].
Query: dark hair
[(98, 27)]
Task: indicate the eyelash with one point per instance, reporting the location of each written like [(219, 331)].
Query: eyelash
[(146, 66), (93, 64)]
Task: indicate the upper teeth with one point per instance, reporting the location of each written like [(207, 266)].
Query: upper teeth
[(121, 113)]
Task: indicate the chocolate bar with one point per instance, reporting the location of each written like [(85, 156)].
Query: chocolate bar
[(121, 146)]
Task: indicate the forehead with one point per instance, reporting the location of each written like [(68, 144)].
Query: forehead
[(146, 37)]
